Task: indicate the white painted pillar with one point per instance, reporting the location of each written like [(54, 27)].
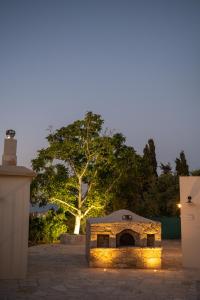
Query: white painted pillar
[(190, 220), (14, 214)]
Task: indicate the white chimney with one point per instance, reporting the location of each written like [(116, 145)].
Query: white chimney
[(9, 157)]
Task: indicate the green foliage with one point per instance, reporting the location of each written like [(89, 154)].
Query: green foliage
[(80, 167), (195, 172), (166, 168), (47, 228), (91, 173), (182, 168), (150, 156), (49, 179), (54, 226), (128, 193), (141, 191), (36, 227), (162, 198)]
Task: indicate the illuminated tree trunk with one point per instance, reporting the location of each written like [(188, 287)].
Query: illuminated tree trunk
[(77, 224)]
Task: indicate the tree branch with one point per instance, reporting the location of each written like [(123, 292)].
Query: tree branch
[(79, 192), (89, 209), (112, 184), (84, 170), (73, 168), (89, 188), (70, 207)]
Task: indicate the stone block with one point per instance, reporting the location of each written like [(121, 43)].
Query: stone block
[(72, 239)]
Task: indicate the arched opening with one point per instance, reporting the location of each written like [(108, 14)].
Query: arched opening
[(125, 239)]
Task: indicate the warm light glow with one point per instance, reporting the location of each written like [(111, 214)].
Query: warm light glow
[(153, 262), (148, 258), (179, 205)]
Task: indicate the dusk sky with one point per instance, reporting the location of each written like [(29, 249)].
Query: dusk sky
[(137, 63)]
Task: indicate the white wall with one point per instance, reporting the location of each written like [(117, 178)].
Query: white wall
[(14, 218), (190, 221)]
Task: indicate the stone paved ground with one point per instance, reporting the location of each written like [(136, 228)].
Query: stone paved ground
[(58, 272)]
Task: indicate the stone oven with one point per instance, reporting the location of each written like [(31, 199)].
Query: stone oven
[(123, 240)]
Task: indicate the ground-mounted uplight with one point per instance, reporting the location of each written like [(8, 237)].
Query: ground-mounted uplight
[(10, 133)]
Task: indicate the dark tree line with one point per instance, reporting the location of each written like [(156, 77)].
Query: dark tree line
[(147, 193)]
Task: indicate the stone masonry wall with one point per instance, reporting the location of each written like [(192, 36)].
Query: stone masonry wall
[(141, 230), (135, 257)]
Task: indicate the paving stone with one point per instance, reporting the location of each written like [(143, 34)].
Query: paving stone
[(61, 272), (59, 288)]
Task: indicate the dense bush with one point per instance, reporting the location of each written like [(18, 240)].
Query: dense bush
[(47, 228)]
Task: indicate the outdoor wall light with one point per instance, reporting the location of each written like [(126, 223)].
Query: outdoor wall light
[(189, 199), (10, 133), (179, 205)]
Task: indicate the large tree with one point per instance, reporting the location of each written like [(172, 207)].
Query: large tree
[(80, 167), (150, 156), (182, 168), (127, 194)]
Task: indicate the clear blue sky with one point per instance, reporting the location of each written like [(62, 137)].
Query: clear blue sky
[(137, 63)]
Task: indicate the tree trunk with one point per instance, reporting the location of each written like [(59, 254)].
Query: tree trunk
[(77, 224)]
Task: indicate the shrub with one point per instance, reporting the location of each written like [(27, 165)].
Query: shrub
[(47, 228)]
